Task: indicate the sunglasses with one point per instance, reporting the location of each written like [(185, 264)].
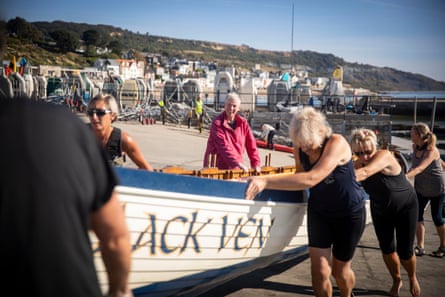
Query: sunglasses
[(363, 153), (98, 112)]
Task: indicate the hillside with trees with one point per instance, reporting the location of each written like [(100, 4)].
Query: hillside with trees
[(76, 45)]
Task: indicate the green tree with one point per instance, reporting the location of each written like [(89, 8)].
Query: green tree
[(23, 30), (67, 41), (115, 46), (91, 37)]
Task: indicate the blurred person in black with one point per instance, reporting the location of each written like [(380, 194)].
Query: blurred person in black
[(55, 185)]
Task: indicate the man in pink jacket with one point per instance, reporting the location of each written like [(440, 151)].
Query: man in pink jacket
[(230, 135)]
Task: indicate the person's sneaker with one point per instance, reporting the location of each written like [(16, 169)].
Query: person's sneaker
[(439, 253), (419, 251)]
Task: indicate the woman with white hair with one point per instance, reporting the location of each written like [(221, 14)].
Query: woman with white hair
[(231, 136), (336, 211)]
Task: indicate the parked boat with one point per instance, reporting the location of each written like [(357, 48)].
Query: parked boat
[(192, 89), (285, 106), (277, 147), (190, 234), (128, 94), (248, 93), (278, 91), (6, 87), (112, 85), (172, 91), (56, 87), (18, 84), (223, 86)]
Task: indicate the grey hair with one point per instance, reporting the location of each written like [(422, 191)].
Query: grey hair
[(232, 96), (110, 103), (309, 127)]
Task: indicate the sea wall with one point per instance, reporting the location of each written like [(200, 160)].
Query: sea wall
[(342, 123)]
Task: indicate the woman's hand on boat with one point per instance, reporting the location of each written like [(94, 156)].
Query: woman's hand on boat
[(254, 186)]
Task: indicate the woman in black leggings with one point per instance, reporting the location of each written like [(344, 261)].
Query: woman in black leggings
[(394, 206)]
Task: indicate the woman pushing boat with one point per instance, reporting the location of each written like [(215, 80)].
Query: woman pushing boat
[(102, 112), (336, 210)]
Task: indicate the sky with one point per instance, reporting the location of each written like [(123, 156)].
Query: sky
[(408, 35)]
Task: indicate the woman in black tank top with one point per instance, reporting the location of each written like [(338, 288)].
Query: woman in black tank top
[(336, 213), (102, 111), (394, 206)]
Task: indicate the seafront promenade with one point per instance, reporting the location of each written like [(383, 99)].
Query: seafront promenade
[(177, 145)]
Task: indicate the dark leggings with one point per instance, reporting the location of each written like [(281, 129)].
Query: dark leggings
[(436, 205), (404, 223), (270, 136)]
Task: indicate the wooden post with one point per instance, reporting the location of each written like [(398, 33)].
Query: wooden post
[(433, 115), (415, 109), (213, 160)]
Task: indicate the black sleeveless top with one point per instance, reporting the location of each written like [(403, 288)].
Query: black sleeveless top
[(113, 148), (339, 194), (388, 193)]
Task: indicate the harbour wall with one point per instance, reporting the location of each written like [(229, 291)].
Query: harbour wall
[(341, 123)]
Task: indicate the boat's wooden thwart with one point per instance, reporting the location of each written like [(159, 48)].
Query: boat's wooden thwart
[(215, 173)]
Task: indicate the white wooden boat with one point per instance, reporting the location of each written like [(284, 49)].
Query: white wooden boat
[(129, 94), (190, 234), (223, 86)]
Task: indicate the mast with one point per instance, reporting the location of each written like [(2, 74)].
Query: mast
[(292, 41)]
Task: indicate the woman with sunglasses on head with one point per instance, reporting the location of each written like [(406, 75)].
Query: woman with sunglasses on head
[(429, 183), (394, 206), (336, 213), (102, 112)]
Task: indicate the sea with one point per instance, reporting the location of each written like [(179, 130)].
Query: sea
[(437, 122), (418, 94)]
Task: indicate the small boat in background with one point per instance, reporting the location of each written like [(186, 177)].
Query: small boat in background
[(223, 86), (190, 234), (277, 147), (129, 95)]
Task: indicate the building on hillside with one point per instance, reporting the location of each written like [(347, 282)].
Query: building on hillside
[(131, 68), (107, 65)]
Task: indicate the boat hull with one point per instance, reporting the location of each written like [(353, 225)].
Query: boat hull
[(190, 234), (277, 147)]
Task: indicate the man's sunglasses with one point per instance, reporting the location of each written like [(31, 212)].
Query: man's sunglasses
[(363, 153), (98, 112)]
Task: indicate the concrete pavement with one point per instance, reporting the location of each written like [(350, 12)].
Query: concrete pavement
[(170, 144), (372, 278)]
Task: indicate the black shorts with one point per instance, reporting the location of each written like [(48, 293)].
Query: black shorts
[(342, 234)]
